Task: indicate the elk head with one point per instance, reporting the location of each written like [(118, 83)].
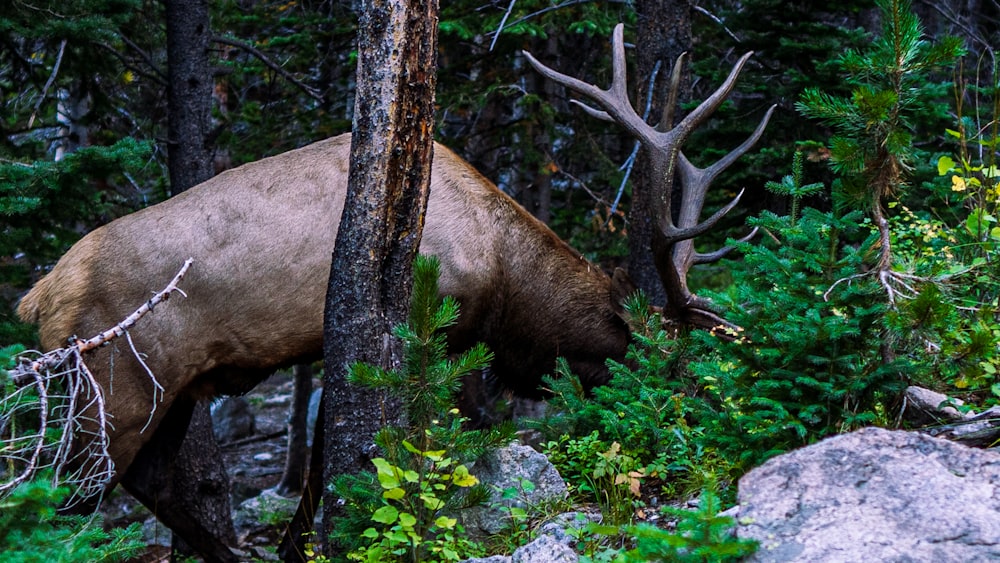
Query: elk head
[(672, 242)]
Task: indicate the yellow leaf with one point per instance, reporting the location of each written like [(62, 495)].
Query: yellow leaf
[(393, 494), (462, 478), (957, 184), (434, 455), (634, 483)]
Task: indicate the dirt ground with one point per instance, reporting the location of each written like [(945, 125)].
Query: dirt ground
[(254, 463)]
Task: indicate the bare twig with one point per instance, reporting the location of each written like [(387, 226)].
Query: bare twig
[(544, 11), (583, 185), (894, 283), (122, 327), (496, 34), (160, 73), (717, 20), (70, 401), (156, 76), (48, 83), (308, 90)]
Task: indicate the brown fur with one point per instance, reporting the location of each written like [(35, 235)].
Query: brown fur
[(261, 237)]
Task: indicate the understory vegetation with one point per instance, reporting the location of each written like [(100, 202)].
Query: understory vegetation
[(889, 280), (875, 267)]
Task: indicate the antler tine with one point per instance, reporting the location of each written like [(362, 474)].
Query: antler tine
[(712, 257), (699, 114), (672, 233), (696, 182), (671, 243), (667, 119), (619, 80), (614, 100), (592, 112), (734, 155)]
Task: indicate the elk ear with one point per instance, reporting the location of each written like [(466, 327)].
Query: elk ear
[(621, 289)]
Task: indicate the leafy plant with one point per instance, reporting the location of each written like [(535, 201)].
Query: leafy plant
[(422, 479), (413, 516), (810, 361), (599, 472)]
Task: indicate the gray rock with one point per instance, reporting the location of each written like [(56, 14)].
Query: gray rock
[(553, 544), (156, 533), (263, 511), (924, 406), (874, 495), (977, 430), (232, 419), (545, 549), (559, 527), (511, 467)]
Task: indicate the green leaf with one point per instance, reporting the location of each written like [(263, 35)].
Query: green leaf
[(445, 522), (431, 501), (388, 474), (944, 165), (407, 520), (385, 515)]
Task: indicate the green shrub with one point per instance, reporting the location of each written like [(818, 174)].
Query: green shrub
[(701, 536), (31, 531), (404, 512)]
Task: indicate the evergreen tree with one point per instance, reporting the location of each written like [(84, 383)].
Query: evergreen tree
[(873, 150)]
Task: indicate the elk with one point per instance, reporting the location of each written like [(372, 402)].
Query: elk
[(261, 236)]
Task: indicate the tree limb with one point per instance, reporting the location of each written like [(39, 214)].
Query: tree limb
[(308, 90)]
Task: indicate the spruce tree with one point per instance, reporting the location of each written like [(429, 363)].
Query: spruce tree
[(873, 149)]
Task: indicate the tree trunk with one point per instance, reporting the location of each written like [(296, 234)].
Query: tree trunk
[(293, 477), (380, 229), (200, 481), (189, 93), (664, 31)]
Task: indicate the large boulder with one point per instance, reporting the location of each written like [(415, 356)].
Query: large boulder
[(516, 467), (874, 495), (233, 419)]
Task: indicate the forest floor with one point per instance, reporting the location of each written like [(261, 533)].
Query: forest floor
[(254, 463)]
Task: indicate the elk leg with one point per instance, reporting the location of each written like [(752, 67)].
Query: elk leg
[(293, 543), (157, 479)]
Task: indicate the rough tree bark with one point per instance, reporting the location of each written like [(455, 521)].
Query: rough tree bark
[(664, 31), (200, 481), (189, 93), (380, 230)]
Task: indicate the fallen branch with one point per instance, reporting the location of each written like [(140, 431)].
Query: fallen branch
[(70, 405)]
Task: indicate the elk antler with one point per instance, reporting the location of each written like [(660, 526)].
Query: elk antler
[(672, 245)]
